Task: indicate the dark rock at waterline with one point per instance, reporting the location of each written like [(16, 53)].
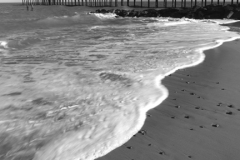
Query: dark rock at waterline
[(101, 11), (196, 12)]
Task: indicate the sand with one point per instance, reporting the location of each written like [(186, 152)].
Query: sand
[(199, 120)]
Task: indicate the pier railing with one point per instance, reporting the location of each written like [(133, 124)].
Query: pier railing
[(130, 3)]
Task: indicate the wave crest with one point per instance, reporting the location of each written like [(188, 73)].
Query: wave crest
[(70, 20), (105, 16)]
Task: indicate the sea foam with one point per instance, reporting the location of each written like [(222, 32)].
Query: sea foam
[(90, 79), (133, 85), (105, 16), (4, 44)]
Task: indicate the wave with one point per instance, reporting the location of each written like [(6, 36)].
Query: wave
[(111, 122), (22, 42), (105, 16), (219, 21), (199, 58), (118, 124), (78, 18)]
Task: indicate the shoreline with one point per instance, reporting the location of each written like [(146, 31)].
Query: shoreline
[(93, 144), (135, 146), (229, 11)]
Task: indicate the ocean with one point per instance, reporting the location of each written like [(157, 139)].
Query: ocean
[(75, 85)]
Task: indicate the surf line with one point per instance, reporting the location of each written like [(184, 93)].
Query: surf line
[(164, 90)]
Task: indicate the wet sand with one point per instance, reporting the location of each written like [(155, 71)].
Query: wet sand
[(199, 120)]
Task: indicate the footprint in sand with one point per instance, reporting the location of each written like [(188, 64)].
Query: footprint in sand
[(229, 112), (215, 125), (186, 116), (177, 106)]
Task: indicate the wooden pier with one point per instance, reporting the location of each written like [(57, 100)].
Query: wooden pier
[(130, 3)]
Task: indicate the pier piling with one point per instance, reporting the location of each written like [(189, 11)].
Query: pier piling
[(134, 3)]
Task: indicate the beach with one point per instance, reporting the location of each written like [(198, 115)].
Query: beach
[(78, 85), (199, 120)]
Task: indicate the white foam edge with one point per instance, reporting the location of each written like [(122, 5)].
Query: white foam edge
[(200, 51), (170, 23), (218, 21), (165, 93), (104, 15), (159, 78), (165, 22)]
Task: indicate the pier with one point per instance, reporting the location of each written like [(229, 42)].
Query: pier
[(132, 3)]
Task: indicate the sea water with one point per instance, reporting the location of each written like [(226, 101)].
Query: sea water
[(74, 85)]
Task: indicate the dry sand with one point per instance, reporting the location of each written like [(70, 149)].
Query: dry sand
[(199, 120)]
